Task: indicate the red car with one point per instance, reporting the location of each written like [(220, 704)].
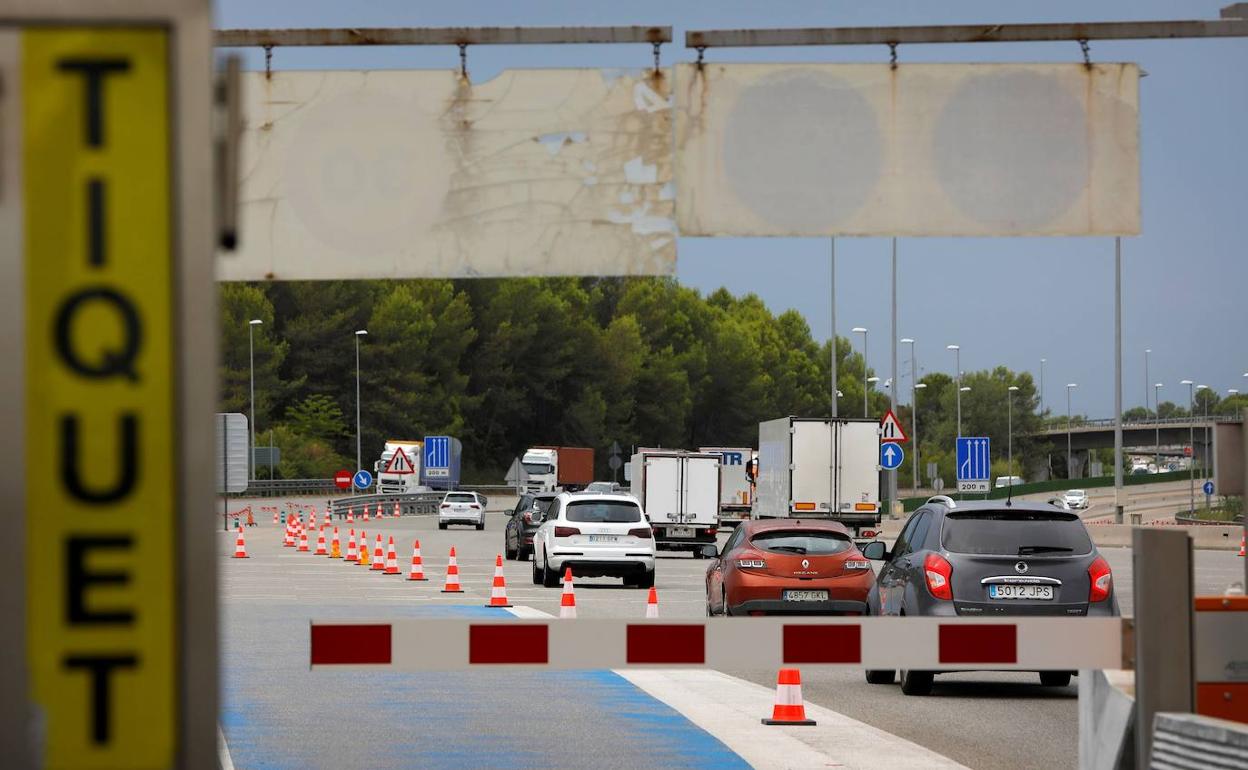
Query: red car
[(788, 567)]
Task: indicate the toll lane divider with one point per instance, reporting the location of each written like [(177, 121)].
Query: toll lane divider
[(1026, 644)]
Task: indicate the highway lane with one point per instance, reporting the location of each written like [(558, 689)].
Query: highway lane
[(982, 720)]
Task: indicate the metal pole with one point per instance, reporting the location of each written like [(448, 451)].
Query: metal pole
[(1068, 463), (1146, 380), (1157, 416), (1118, 381), (958, 362), (892, 392), (832, 310), (1042, 386), (357, 402), (1009, 432), (865, 384), (914, 415), (1191, 442), (251, 448)]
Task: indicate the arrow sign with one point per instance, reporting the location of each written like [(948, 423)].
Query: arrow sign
[(974, 464), (1208, 487), (891, 456), (363, 479), (891, 430)]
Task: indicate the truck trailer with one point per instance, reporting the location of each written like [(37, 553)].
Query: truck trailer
[(679, 491), (819, 468), (735, 490), (557, 467)]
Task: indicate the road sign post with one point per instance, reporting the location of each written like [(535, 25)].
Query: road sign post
[(974, 465), (362, 479), (107, 286)]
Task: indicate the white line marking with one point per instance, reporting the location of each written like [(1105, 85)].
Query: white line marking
[(223, 751)]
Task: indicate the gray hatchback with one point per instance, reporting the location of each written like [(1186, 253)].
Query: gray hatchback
[(989, 559)]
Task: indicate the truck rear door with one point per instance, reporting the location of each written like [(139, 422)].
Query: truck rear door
[(701, 491), (811, 468), (663, 496), (858, 477)]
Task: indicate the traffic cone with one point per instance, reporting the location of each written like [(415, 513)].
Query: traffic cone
[(567, 602), (652, 604), (303, 542), (312, 519), (350, 516), (452, 576), (289, 540), (379, 556), (498, 593), (352, 554), (364, 560), (789, 709), (396, 510), (335, 550), (240, 546), (392, 559), (275, 517), (366, 513), (418, 568), (1241, 545), (320, 543)]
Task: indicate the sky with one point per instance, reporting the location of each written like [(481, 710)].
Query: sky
[(1005, 302)]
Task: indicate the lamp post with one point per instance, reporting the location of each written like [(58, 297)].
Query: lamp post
[(1009, 429), (358, 334), (251, 357), (957, 353), (862, 330), (1042, 361), (914, 431), (1146, 378), (1204, 455), (1069, 387), (914, 415), (1191, 441), (1157, 439)]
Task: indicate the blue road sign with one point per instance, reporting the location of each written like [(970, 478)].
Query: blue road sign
[(437, 456), (1208, 487), (363, 479), (974, 464), (891, 456)]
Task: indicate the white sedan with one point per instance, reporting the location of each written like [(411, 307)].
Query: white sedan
[(597, 535), (1076, 499)]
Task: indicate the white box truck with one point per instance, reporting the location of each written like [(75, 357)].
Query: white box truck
[(398, 470), (819, 468), (735, 491), (679, 491)]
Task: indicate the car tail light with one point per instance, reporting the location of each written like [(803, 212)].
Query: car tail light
[(939, 576), (643, 532), (1100, 580), (712, 531), (854, 565), (752, 563), (566, 531), (444, 506), (528, 517), (475, 507)]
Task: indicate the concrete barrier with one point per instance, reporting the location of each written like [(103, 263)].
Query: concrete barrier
[(1205, 536)]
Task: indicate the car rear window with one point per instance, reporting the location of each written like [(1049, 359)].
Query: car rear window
[(1015, 533), (603, 512), (804, 542), (460, 497)]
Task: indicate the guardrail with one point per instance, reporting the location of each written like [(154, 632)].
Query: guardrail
[(410, 503), (305, 487)]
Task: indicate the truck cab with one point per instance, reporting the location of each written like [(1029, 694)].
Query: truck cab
[(542, 467), (398, 469)]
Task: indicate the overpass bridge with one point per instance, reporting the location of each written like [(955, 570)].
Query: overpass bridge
[(1141, 434)]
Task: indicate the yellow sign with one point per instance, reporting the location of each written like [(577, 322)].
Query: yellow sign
[(101, 490)]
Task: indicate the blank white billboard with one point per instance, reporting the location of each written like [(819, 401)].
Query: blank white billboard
[(410, 174), (919, 150)]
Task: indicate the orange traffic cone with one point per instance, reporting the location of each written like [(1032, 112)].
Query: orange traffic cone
[(320, 543), (498, 594), (366, 513), (418, 569), (303, 541), (312, 519), (652, 604), (392, 559), (352, 554), (240, 546), (288, 540), (1241, 545), (567, 602), (275, 517), (452, 576), (335, 550), (350, 516), (396, 510), (789, 709), (364, 559), (379, 557)]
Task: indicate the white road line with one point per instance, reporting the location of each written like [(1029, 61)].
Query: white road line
[(731, 709), (223, 751)]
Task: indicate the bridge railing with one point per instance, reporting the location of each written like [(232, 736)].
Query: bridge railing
[(1108, 422)]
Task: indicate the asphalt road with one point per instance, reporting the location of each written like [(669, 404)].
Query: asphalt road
[(277, 715)]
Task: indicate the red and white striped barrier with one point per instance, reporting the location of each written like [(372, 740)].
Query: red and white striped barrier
[(949, 644)]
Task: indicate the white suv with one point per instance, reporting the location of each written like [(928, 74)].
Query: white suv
[(461, 508), (596, 534)]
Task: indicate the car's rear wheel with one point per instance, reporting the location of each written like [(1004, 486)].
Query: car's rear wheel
[(550, 578), (441, 525), (480, 526), (537, 574), (646, 580), (1055, 678), (881, 676), (916, 682)]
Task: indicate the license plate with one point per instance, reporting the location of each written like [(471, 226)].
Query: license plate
[(681, 531), (805, 596), (1031, 592), (604, 538)]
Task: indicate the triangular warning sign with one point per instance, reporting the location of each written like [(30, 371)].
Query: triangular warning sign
[(891, 431), (400, 463)]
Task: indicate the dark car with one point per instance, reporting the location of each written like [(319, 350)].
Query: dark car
[(989, 559), (524, 521), (788, 567)]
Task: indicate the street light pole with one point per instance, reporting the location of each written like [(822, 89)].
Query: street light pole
[(359, 333), (1009, 428), (1146, 379), (892, 393), (832, 310), (862, 330), (915, 433), (1191, 441), (251, 357), (1042, 361), (957, 352), (1204, 455), (1069, 463), (1157, 440), (914, 410)]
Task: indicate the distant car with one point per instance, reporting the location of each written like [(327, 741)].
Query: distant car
[(984, 559), (526, 517), (602, 486), (462, 508), (1008, 481), (597, 535), (788, 567), (1075, 499)]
